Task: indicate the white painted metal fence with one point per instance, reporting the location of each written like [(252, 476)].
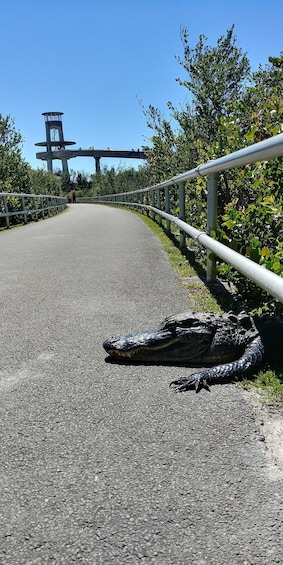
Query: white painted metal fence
[(262, 151)]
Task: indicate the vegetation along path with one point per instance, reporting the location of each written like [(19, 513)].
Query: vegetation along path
[(103, 463)]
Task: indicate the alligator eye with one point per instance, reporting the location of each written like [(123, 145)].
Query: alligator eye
[(189, 323)]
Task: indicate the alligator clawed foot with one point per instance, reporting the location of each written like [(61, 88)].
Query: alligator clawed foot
[(196, 381)]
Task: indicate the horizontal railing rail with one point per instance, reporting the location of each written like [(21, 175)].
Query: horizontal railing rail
[(34, 205), (149, 198)]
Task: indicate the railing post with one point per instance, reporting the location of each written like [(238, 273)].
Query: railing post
[(42, 207), (158, 204), (153, 203), (35, 209), (23, 208), (182, 214), (48, 204), (167, 206), (212, 185), (147, 202), (6, 212), (142, 202)]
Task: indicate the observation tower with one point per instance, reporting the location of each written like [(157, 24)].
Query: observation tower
[(56, 146), (55, 143)]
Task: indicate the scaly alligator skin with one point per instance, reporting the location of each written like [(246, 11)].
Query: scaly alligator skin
[(230, 345)]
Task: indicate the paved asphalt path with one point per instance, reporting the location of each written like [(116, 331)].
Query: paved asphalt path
[(102, 463)]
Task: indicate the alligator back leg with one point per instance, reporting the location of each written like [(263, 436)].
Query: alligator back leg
[(250, 361)]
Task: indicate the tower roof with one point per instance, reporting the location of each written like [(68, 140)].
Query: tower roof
[(52, 113)]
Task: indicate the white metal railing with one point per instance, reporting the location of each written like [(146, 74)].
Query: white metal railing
[(34, 205), (262, 151)]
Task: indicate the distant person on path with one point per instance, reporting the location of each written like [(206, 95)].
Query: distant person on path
[(74, 197)]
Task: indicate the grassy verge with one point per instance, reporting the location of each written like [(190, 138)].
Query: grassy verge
[(269, 383)]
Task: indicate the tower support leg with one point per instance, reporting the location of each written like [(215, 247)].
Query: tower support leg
[(97, 164), (65, 166)]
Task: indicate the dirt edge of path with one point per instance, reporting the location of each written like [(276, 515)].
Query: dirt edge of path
[(269, 419)]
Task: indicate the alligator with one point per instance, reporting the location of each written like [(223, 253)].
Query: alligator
[(229, 346)]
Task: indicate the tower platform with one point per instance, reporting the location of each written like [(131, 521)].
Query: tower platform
[(65, 154)]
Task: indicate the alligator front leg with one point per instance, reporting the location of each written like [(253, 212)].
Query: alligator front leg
[(250, 360)]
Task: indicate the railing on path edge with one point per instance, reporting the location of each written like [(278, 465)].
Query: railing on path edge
[(35, 205), (262, 151)]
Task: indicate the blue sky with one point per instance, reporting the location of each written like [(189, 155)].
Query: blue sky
[(95, 59)]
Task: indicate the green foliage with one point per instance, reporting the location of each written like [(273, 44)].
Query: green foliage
[(196, 194), (67, 185), (14, 171), (112, 181), (83, 182), (253, 226), (43, 182), (269, 384), (272, 383)]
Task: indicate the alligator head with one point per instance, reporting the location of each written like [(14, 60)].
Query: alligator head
[(190, 338)]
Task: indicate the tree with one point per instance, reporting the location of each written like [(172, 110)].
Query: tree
[(128, 179), (111, 181), (82, 181), (197, 131), (216, 78), (262, 105), (44, 182), (14, 171), (161, 157), (67, 185)]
